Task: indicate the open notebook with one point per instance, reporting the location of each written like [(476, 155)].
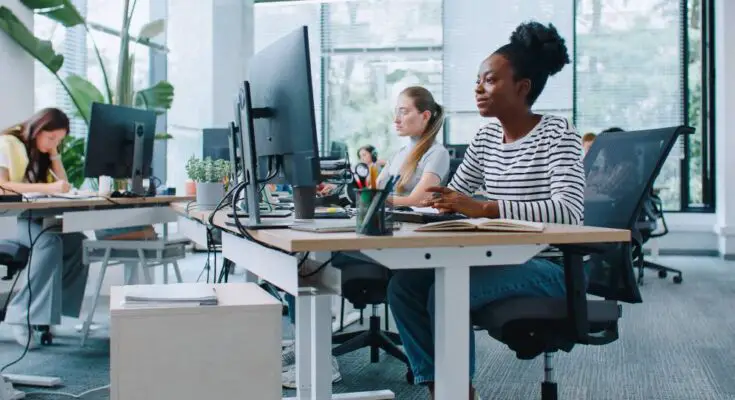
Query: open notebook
[(483, 224), (72, 195)]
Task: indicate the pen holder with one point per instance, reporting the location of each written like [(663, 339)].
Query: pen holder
[(371, 213)]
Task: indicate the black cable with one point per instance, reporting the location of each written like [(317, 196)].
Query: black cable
[(319, 268), (32, 243), (242, 229)]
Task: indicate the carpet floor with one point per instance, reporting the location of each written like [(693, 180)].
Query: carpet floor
[(677, 345)]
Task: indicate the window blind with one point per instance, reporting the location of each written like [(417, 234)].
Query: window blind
[(372, 50), (630, 73), (469, 39)]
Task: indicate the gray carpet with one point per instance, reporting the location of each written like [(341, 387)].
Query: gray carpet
[(678, 344)]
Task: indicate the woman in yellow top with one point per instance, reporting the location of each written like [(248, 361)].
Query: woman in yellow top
[(30, 162)]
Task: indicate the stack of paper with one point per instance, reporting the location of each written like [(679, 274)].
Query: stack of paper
[(176, 294)]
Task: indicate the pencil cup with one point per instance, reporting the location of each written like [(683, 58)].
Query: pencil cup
[(371, 213)]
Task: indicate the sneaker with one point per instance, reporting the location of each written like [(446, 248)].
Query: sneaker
[(20, 334), (288, 376), (288, 355)]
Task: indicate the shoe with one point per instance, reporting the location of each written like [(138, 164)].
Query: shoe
[(288, 356), (20, 334), (288, 376)]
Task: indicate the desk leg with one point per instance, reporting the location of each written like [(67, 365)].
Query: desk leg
[(452, 333), (321, 347), (303, 347)]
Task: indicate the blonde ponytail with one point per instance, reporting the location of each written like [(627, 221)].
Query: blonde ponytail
[(422, 98)]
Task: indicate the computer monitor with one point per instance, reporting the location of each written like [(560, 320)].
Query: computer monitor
[(277, 107), (120, 144), (216, 143), (338, 150)]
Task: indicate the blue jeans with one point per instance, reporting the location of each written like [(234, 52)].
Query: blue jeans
[(411, 299)]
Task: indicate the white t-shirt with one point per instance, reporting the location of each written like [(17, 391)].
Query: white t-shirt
[(434, 161)]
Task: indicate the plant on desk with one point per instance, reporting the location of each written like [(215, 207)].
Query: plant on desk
[(210, 177), (83, 93)]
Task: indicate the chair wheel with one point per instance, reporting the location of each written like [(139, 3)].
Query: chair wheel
[(47, 339), (409, 376), (678, 279), (662, 274)]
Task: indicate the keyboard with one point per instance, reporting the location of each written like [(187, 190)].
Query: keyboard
[(418, 217)]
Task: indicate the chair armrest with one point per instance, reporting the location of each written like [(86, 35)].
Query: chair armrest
[(576, 291)]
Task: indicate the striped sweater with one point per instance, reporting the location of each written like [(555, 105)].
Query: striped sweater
[(537, 178)]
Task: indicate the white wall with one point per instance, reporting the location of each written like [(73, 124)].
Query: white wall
[(211, 42), (16, 72), (725, 124)]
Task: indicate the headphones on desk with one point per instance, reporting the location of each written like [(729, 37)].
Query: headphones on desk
[(370, 149)]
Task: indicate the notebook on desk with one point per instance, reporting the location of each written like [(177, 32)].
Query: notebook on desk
[(184, 294), (68, 196), (482, 224)]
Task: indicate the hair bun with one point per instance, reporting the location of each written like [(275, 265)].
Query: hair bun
[(544, 44)]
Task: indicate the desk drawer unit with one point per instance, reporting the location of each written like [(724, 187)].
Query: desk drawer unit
[(228, 351)]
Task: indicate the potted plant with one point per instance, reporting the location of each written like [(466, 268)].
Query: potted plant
[(210, 177), (116, 89)]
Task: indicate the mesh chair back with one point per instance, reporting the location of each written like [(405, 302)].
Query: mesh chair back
[(620, 169)]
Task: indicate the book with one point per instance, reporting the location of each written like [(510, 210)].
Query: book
[(181, 294), (483, 224)]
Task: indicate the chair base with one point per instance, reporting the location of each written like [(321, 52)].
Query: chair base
[(373, 338), (548, 391), (663, 272), (10, 272)]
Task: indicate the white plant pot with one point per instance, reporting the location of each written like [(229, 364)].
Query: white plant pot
[(209, 194)]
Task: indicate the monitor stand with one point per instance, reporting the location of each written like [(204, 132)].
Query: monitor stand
[(137, 178), (256, 218)]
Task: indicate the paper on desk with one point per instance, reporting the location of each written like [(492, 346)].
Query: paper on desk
[(180, 293)]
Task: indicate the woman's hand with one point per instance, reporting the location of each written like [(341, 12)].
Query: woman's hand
[(58, 187), (448, 201)]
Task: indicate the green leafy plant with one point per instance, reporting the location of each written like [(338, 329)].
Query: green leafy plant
[(83, 93), (207, 170)]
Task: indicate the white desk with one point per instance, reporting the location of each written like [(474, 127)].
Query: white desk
[(91, 214), (404, 250)]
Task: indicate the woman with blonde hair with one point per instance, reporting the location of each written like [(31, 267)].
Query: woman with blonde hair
[(424, 162)]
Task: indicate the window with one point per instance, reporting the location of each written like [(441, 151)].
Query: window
[(371, 51), (632, 86), (697, 180), (468, 40)]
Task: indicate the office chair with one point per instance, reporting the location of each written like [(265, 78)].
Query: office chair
[(647, 225), (535, 326), (13, 256), (364, 284)]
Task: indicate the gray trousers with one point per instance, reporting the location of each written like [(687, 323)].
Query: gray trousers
[(57, 277)]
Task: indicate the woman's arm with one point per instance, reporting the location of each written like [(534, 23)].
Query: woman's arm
[(418, 194), (57, 166), (8, 187)]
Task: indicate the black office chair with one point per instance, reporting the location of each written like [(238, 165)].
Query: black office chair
[(620, 170), (651, 219), (365, 284), (13, 256)]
